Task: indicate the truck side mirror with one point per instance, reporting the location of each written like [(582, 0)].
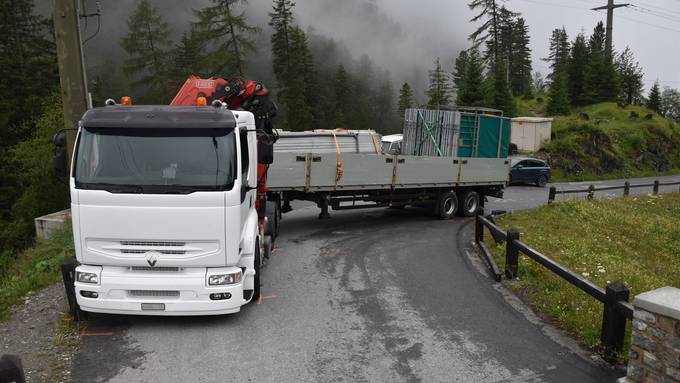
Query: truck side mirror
[(265, 150), (59, 156)]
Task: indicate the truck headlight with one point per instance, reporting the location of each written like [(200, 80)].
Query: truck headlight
[(224, 279), (85, 277)]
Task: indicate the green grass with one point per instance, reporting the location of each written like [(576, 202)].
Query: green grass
[(613, 142), (635, 240), (36, 267), (534, 107)]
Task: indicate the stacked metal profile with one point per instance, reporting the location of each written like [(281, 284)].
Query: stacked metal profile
[(431, 133), (324, 141)]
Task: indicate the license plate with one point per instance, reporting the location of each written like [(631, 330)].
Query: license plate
[(153, 306)]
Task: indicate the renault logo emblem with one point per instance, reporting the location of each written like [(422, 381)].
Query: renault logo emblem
[(151, 260)]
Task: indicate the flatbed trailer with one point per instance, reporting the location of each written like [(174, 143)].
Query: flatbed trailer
[(387, 181), (450, 185)]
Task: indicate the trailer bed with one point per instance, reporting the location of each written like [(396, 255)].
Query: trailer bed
[(327, 172)]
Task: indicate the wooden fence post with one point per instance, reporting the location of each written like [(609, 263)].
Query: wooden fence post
[(613, 321), (479, 226), (656, 187), (552, 194), (511, 254), (626, 189), (591, 192)]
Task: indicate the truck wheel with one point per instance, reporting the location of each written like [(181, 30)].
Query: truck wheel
[(447, 205), (469, 203), (257, 264), (270, 223), (267, 244)]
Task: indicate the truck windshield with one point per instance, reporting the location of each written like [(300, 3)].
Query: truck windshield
[(155, 161)]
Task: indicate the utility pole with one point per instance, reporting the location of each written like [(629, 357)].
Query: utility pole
[(71, 65), (610, 22)]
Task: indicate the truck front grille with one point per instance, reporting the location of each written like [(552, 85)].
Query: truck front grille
[(153, 243), (151, 246), (153, 293), (155, 269)]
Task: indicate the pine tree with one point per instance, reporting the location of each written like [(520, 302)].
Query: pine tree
[(576, 71), (343, 99), (558, 96), (405, 99), (654, 99), (188, 57), (471, 92), (147, 45), (630, 77), (559, 52), (296, 98), (520, 67), (281, 21), (383, 115), (459, 69), (601, 79), (439, 91), (502, 99), (230, 35)]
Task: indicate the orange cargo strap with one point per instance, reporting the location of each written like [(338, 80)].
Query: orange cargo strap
[(338, 156), (375, 144)]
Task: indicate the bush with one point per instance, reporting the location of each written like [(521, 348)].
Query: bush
[(40, 191)]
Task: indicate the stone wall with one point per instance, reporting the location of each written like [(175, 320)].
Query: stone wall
[(655, 346)]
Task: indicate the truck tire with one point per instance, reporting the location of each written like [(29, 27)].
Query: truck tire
[(257, 266), (271, 219), (447, 205), (267, 243), (469, 203)]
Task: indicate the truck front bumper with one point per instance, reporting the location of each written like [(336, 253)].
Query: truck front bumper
[(122, 290)]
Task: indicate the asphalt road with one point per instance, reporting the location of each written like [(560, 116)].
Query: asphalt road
[(368, 296)]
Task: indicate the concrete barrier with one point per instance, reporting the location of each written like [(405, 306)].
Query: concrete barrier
[(45, 225)]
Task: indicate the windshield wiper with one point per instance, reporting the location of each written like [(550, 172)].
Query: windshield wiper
[(112, 188)]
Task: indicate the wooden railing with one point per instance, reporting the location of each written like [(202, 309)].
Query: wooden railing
[(626, 187), (614, 296)]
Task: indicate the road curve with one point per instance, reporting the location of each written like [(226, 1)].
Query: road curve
[(368, 296)]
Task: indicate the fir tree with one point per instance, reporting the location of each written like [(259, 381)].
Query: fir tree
[(559, 52), (630, 77), (558, 96), (439, 91), (147, 45), (459, 69), (281, 21), (654, 99), (383, 115), (405, 99), (343, 98), (502, 99), (300, 115), (576, 71), (228, 31), (188, 58), (471, 92), (601, 80), (520, 66)]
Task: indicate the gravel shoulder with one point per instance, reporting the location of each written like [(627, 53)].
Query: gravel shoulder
[(35, 331)]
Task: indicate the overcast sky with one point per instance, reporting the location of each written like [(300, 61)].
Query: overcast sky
[(404, 36), (416, 31)]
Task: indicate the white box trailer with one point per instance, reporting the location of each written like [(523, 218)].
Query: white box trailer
[(530, 133)]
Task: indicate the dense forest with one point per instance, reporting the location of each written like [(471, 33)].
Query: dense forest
[(314, 79)]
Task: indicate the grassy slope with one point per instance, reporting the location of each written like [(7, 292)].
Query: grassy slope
[(34, 268), (635, 240), (610, 144)]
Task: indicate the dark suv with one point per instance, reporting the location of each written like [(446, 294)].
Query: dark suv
[(529, 170)]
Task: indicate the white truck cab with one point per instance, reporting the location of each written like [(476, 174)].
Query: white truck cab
[(163, 205)]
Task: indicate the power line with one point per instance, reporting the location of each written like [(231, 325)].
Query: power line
[(654, 13), (649, 24)]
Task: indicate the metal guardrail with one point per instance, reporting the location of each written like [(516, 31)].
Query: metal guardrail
[(627, 186), (615, 296)]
